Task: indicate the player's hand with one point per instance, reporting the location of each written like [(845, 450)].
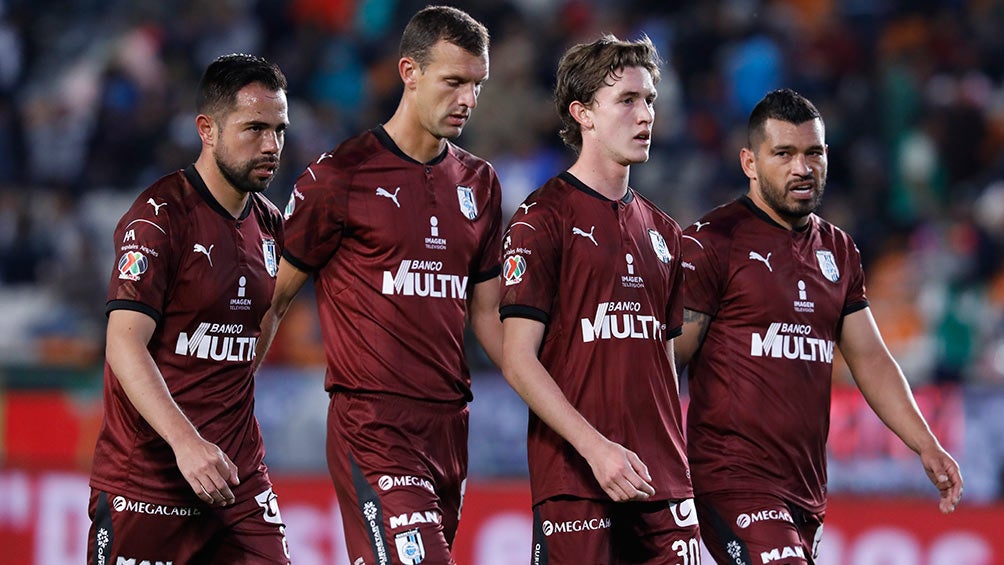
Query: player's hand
[(208, 471), (620, 472), (944, 472)]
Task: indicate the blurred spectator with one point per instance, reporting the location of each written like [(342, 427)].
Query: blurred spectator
[(24, 253)]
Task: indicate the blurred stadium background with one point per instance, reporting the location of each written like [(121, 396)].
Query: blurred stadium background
[(96, 102)]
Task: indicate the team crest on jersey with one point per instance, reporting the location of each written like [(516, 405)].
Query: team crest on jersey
[(410, 549), (514, 269), (828, 265), (659, 245), (131, 265), (268, 253), (468, 207)]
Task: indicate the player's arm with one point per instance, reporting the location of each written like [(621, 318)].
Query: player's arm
[(885, 388), (695, 327), (619, 471), (207, 469), (671, 354), (288, 281), (484, 318)]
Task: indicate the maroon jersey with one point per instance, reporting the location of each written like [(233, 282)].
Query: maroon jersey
[(760, 383), (207, 279), (604, 277), (396, 246)]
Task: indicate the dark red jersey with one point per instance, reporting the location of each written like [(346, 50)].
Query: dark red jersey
[(207, 279), (760, 383), (396, 246), (604, 277)]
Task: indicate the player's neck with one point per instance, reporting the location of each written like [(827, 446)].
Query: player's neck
[(411, 138), (232, 200), (602, 175)]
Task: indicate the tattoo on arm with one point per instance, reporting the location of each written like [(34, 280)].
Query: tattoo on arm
[(700, 318)]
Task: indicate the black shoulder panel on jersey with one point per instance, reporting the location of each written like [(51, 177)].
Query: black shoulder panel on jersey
[(852, 308), (294, 261), (134, 306), (520, 311), (487, 275)]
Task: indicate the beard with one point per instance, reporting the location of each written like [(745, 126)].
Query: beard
[(776, 198), (241, 175)]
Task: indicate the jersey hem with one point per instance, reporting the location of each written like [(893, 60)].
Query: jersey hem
[(602, 497), (168, 499), (787, 496)]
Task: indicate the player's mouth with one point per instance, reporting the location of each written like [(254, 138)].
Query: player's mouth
[(458, 119), (803, 189), (644, 137), (266, 169)]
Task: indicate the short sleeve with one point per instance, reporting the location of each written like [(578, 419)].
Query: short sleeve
[(856, 298), (487, 266), (531, 262), (703, 270), (145, 257), (674, 304), (315, 216)]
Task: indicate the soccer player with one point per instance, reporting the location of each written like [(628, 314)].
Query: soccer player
[(590, 305), (178, 473), (401, 231), (770, 289)]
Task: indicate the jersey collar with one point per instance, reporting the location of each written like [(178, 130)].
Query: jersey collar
[(748, 202), (385, 140), (195, 179), (572, 180)]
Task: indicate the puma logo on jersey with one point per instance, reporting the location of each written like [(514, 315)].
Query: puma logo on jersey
[(526, 207), (199, 248), (700, 225), (156, 207), (381, 191), (589, 236), (765, 260)]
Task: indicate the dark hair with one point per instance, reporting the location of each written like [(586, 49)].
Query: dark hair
[(434, 23), (587, 67), (225, 76), (785, 105)]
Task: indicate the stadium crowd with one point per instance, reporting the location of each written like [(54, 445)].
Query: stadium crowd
[(96, 98)]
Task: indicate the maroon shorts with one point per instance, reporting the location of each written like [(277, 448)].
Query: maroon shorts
[(575, 530), (399, 467), (127, 530), (758, 528)]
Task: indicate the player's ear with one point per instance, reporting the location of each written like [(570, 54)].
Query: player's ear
[(206, 126), (408, 68), (747, 160), (580, 113)]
